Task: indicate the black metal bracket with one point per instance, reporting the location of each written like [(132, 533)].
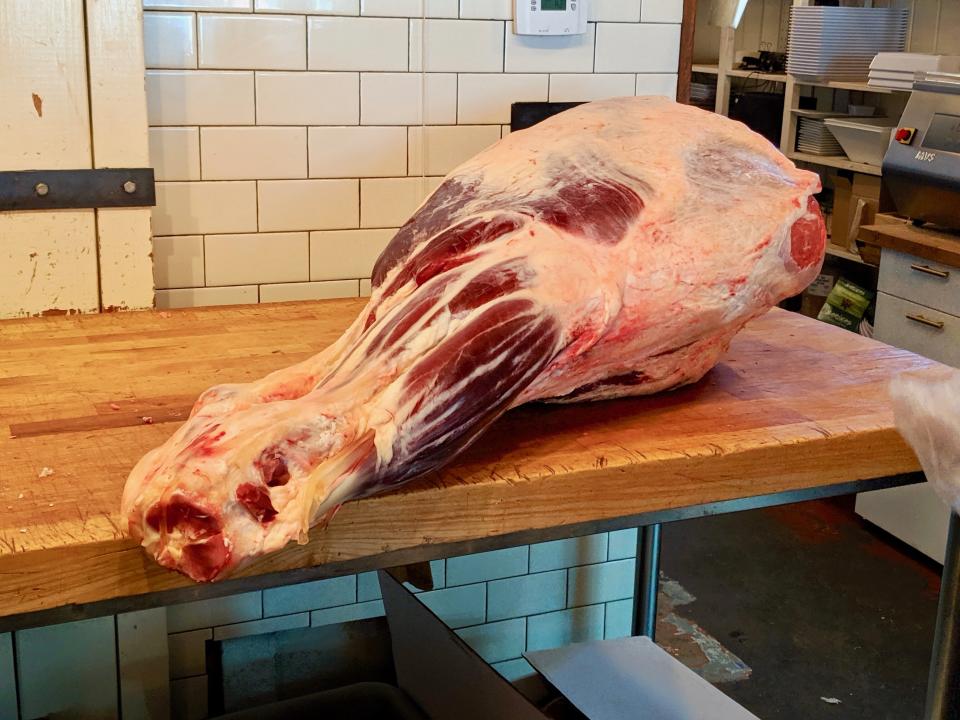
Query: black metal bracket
[(73, 189)]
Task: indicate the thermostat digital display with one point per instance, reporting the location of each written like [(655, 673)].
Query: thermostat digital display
[(550, 17)]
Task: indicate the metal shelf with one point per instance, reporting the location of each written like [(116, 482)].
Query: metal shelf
[(837, 161)]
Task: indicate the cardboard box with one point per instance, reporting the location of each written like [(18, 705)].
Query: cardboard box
[(855, 203)]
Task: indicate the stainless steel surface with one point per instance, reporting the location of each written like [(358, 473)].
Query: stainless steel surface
[(443, 674), (922, 178), (421, 553), (646, 581), (943, 686)]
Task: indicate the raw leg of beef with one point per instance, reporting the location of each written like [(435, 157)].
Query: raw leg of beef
[(611, 250)]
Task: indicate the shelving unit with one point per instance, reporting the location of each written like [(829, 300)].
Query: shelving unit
[(740, 73), (793, 89), (846, 255), (841, 162)]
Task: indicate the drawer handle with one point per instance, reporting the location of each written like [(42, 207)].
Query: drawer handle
[(938, 324), (931, 271)]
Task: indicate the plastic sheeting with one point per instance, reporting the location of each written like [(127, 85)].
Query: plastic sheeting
[(927, 412)]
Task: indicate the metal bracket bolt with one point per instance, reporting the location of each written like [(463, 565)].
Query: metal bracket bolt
[(41, 189), (129, 187)]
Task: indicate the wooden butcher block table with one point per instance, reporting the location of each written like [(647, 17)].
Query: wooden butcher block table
[(797, 409)]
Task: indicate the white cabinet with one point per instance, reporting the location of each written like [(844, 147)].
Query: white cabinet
[(918, 309)]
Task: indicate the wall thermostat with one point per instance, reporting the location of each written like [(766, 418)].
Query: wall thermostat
[(550, 17)]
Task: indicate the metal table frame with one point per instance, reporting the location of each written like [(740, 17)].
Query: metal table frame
[(943, 696), (943, 684)]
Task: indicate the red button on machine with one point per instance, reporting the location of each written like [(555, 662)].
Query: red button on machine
[(904, 136)]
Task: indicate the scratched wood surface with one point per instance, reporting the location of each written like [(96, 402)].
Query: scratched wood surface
[(795, 404)]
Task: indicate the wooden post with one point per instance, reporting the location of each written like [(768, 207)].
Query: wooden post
[(119, 116), (687, 28), (728, 38)]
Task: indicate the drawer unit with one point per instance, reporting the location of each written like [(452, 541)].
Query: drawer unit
[(917, 328), (918, 305), (921, 281)]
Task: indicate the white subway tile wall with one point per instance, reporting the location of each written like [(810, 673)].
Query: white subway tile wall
[(408, 98), (358, 151), (188, 652), (558, 53), (252, 42), (200, 297), (310, 595), (456, 46), (257, 257), (526, 595), (308, 204), (346, 613), (178, 261), (218, 611), (497, 641), (336, 254), (447, 146), (201, 97), (486, 9), (344, 43), (315, 7), (247, 153), (289, 116), (485, 98), (289, 292), (570, 552), (619, 619), (409, 8), (307, 98), (480, 567), (564, 627), (169, 40), (286, 141), (458, 606), (188, 208), (175, 153)]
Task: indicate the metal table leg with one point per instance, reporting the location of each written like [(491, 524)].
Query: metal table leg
[(647, 578), (943, 686)]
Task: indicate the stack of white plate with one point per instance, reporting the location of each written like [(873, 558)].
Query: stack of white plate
[(899, 70), (703, 95), (838, 43), (813, 136)]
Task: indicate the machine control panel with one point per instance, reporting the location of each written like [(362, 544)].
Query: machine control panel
[(550, 17)]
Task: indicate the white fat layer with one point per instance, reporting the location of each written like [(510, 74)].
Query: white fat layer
[(689, 272)]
